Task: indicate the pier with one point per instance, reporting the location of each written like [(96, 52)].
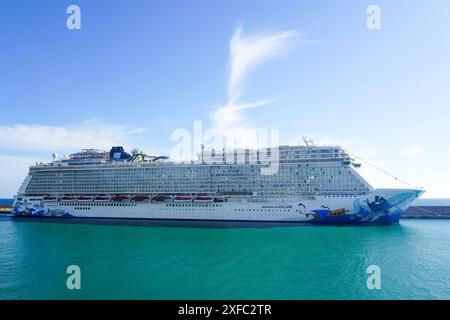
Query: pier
[(6, 205), (427, 212)]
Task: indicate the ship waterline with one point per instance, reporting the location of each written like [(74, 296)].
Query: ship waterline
[(311, 184)]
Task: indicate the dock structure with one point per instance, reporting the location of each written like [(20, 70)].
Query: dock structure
[(427, 212), (6, 205)]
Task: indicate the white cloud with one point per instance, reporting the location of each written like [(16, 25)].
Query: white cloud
[(87, 134), (137, 130), (64, 139), (13, 170), (412, 151), (230, 115), (246, 53)]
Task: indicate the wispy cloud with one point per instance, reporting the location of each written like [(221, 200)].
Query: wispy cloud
[(230, 116), (247, 53), (137, 130), (86, 134), (412, 151)]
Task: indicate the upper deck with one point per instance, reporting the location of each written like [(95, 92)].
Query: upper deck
[(96, 159), (295, 171)]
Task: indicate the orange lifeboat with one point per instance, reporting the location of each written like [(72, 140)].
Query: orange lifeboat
[(140, 198), (183, 199), (160, 198), (101, 199), (49, 198), (85, 198), (67, 199), (203, 199), (120, 198)]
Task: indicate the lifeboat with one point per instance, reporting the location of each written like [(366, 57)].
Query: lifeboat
[(120, 198), (161, 198), (101, 199), (66, 199), (182, 199), (85, 198), (140, 198), (203, 199), (49, 198), (216, 199)]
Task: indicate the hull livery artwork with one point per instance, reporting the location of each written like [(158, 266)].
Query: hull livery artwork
[(310, 184)]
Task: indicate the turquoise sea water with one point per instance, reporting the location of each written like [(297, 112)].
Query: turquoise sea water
[(147, 261)]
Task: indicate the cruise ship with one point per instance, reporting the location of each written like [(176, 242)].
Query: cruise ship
[(305, 183)]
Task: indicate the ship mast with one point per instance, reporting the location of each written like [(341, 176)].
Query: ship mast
[(311, 184), (308, 141)]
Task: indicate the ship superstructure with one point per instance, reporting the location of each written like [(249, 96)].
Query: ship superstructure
[(287, 183)]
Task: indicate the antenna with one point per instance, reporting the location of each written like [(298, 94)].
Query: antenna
[(308, 141)]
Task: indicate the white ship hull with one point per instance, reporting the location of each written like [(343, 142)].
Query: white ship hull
[(381, 206)]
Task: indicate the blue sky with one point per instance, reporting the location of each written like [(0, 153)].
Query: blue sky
[(138, 70)]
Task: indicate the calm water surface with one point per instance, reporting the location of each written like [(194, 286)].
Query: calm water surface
[(149, 261)]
